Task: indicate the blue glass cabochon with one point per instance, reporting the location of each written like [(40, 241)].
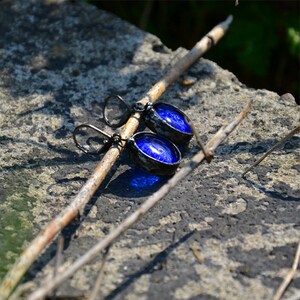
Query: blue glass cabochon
[(173, 117), (158, 148)]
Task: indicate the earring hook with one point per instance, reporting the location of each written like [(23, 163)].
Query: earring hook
[(124, 117), (136, 107), (107, 143)]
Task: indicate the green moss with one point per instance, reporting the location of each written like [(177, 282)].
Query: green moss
[(16, 217)]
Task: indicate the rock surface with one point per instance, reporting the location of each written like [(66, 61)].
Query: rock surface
[(59, 60)]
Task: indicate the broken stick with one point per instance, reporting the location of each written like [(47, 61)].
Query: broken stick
[(278, 144), (289, 277)]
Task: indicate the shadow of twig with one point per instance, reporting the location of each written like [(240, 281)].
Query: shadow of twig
[(150, 267)]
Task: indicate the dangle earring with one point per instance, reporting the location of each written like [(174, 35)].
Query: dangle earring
[(164, 119), (155, 153), (151, 152)]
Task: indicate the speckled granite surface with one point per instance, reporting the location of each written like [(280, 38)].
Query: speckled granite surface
[(59, 60)]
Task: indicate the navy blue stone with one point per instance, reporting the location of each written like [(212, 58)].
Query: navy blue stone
[(173, 117), (158, 148)]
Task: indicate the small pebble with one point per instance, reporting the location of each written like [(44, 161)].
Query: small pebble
[(189, 80), (288, 99)]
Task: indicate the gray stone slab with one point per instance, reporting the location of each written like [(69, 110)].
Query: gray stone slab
[(59, 60)]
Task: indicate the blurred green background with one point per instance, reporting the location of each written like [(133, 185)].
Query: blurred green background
[(262, 47)]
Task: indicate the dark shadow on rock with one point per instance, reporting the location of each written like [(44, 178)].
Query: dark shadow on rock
[(204, 297), (68, 233), (255, 262), (152, 266), (259, 147), (281, 191), (69, 157)]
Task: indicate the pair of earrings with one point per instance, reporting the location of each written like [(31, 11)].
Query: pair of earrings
[(155, 152)]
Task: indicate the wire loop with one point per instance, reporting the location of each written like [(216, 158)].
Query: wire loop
[(136, 107), (107, 143)]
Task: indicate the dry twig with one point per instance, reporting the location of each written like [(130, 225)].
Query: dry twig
[(58, 260), (289, 277), (279, 143), (214, 142), (207, 153), (21, 290), (78, 204), (97, 285)]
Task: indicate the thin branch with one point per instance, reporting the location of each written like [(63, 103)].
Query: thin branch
[(78, 204), (289, 277), (208, 155), (21, 290), (278, 144), (97, 285), (58, 260), (214, 142)]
